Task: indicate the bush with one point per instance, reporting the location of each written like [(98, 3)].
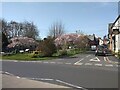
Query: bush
[(47, 47), (36, 54), (62, 52)]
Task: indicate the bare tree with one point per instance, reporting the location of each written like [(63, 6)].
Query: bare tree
[(80, 32), (14, 29), (29, 30), (3, 26), (56, 29)]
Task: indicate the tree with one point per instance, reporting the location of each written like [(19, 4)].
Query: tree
[(3, 26), (22, 43), (72, 40), (56, 29), (15, 29), (4, 41), (47, 46), (79, 32), (82, 43), (29, 30)]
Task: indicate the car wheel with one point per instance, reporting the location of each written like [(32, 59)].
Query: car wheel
[(95, 54)]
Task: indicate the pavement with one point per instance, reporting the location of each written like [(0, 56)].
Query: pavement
[(9, 81)]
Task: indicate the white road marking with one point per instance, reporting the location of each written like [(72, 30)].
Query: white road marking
[(60, 59), (46, 79), (33, 61), (15, 61), (67, 63), (52, 62), (79, 61), (109, 65), (59, 62), (108, 59), (68, 84), (8, 73), (88, 55), (96, 59), (45, 62), (79, 64), (17, 76), (105, 59), (98, 64), (39, 61), (22, 61), (88, 63)]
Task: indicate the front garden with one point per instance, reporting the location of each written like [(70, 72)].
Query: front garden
[(36, 55), (24, 48)]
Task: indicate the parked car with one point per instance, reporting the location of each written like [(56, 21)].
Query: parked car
[(101, 50), (93, 47)]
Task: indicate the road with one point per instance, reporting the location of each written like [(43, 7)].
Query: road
[(83, 70)]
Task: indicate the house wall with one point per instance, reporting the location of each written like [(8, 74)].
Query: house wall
[(119, 41), (113, 45), (100, 42), (116, 41), (110, 36)]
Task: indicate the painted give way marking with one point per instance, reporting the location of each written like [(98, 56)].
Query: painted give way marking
[(96, 59)]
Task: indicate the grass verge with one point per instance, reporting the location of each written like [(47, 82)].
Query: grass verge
[(25, 57), (28, 56)]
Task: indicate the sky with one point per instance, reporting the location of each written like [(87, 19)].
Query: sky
[(88, 17)]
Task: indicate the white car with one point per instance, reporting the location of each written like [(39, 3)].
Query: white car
[(21, 51)]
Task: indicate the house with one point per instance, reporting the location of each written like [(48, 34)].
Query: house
[(114, 35), (101, 42), (94, 40)]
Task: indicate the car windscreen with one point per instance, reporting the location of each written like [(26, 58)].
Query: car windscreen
[(100, 47)]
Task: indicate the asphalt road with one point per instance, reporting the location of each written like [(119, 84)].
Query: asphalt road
[(83, 70)]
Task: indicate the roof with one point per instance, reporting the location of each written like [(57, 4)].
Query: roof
[(115, 22)]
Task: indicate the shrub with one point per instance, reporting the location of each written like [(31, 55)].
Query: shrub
[(73, 51), (62, 52), (47, 47), (36, 54)]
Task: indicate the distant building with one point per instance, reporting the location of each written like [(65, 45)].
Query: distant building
[(114, 35), (100, 41), (93, 40)]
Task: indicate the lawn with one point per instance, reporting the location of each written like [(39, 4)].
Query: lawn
[(24, 57), (29, 56)]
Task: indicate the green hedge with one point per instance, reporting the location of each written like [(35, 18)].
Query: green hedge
[(62, 52)]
